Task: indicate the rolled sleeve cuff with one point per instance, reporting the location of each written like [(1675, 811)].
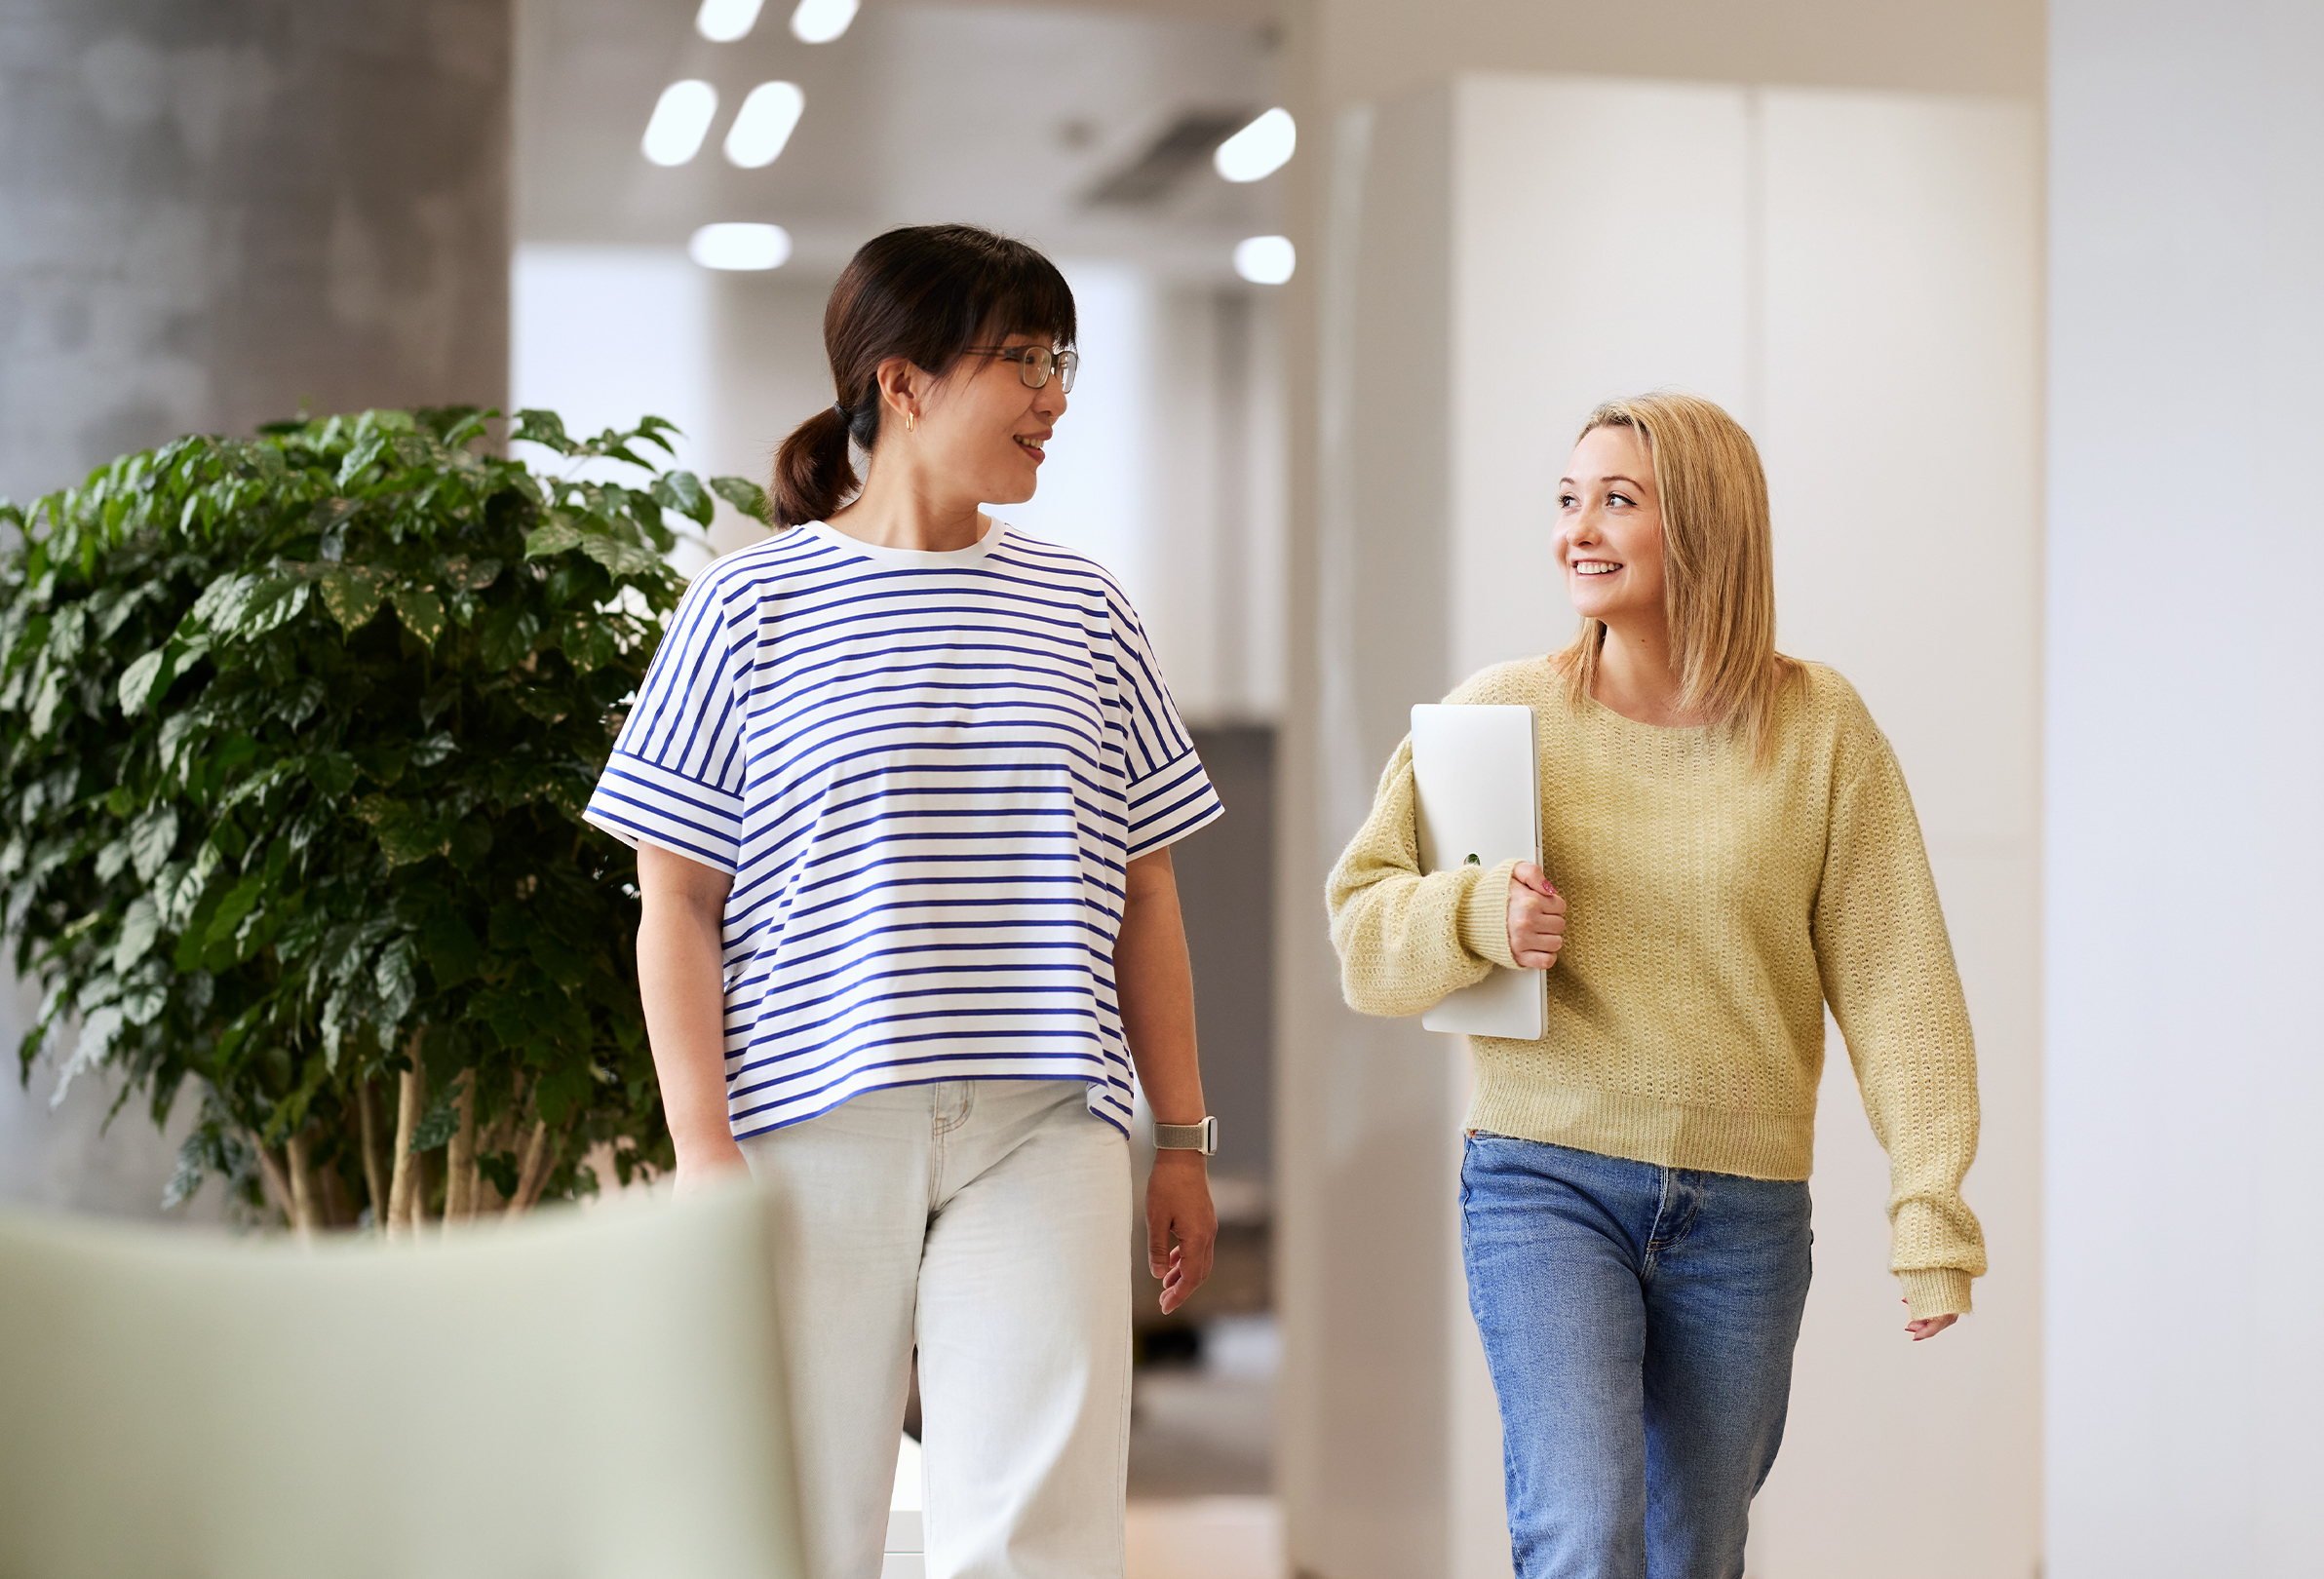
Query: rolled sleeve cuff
[(1484, 915), (1937, 1291), (639, 801)]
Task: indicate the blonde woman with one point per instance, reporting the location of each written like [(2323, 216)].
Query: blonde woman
[(1729, 846)]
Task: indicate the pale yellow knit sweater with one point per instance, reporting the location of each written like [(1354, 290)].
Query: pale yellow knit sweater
[(1714, 907)]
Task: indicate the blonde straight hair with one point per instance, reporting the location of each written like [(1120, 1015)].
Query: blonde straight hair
[(1718, 565)]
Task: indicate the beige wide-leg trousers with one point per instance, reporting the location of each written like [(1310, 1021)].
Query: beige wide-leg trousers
[(984, 1220)]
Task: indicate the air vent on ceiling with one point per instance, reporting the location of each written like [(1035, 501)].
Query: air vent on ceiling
[(1184, 146)]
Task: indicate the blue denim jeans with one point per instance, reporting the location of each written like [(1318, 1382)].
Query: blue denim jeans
[(1638, 1323)]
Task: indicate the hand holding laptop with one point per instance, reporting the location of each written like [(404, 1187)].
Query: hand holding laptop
[(1537, 917), (1477, 800)]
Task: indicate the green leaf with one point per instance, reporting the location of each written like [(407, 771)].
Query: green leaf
[(137, 682), (543, 428), (470, 575), (745, 495), (505, 636), (561, 1090), (140, 927), (151, 838), (554, 536), (405, 836), (589, 641), (421, 610), (331, 773), (454, 952), (620, 558), (234, 906), (682, 492), (352, 594), (397, 981), (441, 1122)]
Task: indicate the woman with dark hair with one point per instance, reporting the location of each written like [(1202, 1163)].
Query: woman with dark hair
[(902, 784)]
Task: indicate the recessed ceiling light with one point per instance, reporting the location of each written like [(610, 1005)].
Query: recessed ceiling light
[(1265, 259), (723, 21), (740, 246), (681, 119), (764, 124), (819, 21), (1259, 149)]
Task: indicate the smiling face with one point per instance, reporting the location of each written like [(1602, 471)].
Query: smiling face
[(983, 431), (1608, 538)]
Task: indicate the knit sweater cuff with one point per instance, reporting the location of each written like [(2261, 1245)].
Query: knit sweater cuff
[(1484, 915), (1937, 1291)]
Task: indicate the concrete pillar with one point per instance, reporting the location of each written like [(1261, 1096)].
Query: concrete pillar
[(1855, 274), (213, 214), (2185, 750)]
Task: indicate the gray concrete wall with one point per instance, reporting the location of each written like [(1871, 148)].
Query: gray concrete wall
[(211, 213), (213, 210)]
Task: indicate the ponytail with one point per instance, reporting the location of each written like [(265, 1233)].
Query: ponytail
[(925, 294), (814, 474)]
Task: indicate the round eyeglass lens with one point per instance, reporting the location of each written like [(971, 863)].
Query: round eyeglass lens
[(1068, 364)]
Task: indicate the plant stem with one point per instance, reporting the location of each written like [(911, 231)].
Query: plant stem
[(412, 1091), (304, 1211), (367, 1109), (530, 1175), (460, 1164), (278, 1186)]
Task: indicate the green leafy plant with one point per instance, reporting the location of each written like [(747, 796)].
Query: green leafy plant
[(295, 733)]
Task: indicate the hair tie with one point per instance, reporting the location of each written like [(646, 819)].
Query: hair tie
[(841, 406)]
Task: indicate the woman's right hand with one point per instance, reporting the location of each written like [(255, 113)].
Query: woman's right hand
[(708, 1166), (1536, 918)]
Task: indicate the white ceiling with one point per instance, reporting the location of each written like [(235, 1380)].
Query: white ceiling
[(1004, 115)]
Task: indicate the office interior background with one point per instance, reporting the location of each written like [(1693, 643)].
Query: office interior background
[(2022, 302)]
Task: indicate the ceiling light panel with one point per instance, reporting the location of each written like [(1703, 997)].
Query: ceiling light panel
[(1265, 259), (1259, 149), (723, 21), (681, 120), (764, 124), (819, 21), (740, 246)]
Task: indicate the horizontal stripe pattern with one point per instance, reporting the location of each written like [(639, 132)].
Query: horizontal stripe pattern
[(926, 774)]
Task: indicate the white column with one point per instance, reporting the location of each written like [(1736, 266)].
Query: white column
[(1856, 277), (2184, 754)]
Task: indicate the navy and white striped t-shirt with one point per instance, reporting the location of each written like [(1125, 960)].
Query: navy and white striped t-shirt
[(926, 772)]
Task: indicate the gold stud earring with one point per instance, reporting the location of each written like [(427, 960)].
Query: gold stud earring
[(911, 420)]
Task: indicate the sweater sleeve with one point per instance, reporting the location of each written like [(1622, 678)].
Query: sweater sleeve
[(1406, 941), (1889, 975)]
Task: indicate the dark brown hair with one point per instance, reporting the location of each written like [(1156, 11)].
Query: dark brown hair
[(926, 293)]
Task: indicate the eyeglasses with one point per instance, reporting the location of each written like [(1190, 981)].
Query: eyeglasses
[(1035, 363)]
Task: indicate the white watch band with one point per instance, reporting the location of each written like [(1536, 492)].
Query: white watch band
[(1202, 1137)]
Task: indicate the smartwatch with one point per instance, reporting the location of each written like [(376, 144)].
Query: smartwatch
[(1202, 1137)]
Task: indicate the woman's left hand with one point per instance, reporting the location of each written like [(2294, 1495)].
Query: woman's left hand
[(1928, 1326), (1177, 1206)]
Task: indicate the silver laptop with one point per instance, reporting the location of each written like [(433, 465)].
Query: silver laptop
[(1480, 802)]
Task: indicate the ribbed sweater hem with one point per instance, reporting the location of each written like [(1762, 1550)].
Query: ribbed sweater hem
[(1642, 1128)]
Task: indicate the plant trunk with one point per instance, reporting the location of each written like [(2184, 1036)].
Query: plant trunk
[(535, 1170), (367, 1109), (411, 1094), (459, 1163), (277, 1184), (306, 1211)]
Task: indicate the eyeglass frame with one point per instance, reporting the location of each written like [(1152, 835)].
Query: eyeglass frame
[(1064, 364)]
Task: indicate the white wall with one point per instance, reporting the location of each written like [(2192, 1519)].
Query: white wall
[(2185, 751), (1857, 276)]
